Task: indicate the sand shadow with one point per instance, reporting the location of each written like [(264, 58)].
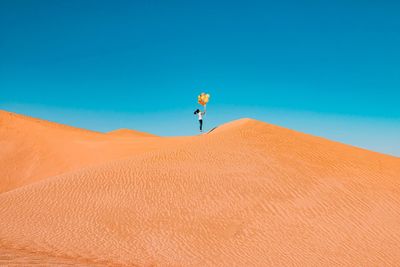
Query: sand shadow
[(212, 129)]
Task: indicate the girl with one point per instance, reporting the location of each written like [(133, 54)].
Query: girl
[(200, 115)]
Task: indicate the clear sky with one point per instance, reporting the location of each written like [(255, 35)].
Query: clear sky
[(330, 68)]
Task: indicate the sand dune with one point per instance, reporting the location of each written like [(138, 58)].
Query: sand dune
[(34, 149), (130, 133), (246, 194)]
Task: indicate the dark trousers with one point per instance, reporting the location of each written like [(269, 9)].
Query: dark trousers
[(201, 125)]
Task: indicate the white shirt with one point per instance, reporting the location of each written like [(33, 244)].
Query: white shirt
[(201, 114)]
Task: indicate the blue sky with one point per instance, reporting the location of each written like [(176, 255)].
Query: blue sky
[(329, 68)]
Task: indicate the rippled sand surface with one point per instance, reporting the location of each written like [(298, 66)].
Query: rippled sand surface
[(246, 194)]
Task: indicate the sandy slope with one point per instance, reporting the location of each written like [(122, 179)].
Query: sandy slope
[(130, 133), (33, 149), (247, 194)]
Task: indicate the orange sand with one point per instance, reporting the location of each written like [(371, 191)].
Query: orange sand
[(247, 194)]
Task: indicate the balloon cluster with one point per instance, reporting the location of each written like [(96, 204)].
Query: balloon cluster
[(203, 99)]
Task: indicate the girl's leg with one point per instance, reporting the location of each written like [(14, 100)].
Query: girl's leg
[(201, 125)]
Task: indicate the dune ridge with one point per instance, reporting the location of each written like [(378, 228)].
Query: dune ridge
[(130, 133), (248, 194)]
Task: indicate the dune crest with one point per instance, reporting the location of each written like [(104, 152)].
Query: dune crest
[(247, 194), (130, 133)]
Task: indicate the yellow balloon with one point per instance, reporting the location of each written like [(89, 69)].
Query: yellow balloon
[(203, 98)]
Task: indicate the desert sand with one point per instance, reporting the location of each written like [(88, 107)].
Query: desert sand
[(246, 194)]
